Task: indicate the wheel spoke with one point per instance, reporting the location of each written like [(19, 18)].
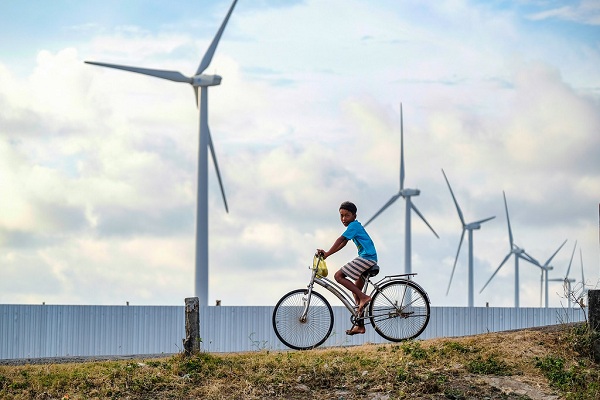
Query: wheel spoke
[(400, 310), (292, 330)]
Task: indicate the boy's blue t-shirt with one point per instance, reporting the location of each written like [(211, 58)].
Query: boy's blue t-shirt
[(356, 232)]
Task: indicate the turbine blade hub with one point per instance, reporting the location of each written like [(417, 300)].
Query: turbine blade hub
[(410, 192), (473, 226), (206, 80)]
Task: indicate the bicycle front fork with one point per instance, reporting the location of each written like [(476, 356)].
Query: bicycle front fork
[(306, 300)]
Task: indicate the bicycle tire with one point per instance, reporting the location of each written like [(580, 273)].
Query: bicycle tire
[(297, 334), (399, 310)]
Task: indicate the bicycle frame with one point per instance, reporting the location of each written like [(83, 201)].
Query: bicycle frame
[(337, 290), (348, 301)]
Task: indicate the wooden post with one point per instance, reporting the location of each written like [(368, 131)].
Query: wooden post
[(191, 343), (594, 310), (594, 321)]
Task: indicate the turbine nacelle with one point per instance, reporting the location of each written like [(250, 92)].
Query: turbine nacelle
[(409, 192), (203, 80), (473, 226)]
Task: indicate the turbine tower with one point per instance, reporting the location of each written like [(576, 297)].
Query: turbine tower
[(407, 194), (465, 227), (202, 81), (544, 274), (566, 281), (514, 250)]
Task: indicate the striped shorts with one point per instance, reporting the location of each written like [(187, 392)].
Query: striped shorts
[(356, 267)]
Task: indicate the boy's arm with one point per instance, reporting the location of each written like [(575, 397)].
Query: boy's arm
[(337, 246)]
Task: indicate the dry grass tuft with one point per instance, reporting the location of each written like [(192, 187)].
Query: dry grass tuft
[(527, 364)]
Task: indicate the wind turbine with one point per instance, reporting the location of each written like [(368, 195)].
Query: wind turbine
[(407, 194), (566, 281), (544, 274), (202, 81), (514, 250), (465, 227)]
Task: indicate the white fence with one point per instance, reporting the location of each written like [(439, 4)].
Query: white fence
[(34, 331)]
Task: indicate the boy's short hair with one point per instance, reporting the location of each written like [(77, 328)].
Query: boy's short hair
[(347, 205)]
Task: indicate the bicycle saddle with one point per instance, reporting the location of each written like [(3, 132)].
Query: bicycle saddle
[(374, 270)]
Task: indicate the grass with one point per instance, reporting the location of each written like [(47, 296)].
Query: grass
[(505, 365), (574, 377)]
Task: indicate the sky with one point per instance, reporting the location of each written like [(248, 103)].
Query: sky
[(98, 167)]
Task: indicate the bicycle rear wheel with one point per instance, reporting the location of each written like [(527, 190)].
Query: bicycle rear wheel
[(399, 310), (307, 334)]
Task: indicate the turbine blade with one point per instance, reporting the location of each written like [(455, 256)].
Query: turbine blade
[(481, 221), (555, 253), (510, 235), (462, 236), (412, 205), (571, 261), (213, 46), (401, 150), (527, 257), (158, 73), (460, 214), (214, 157), (495, 272), (386, 205)]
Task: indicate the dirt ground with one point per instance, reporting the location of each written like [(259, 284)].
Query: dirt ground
[(518, 349)]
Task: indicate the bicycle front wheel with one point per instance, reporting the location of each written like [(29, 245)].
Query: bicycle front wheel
[(399, 310), (295, 332)]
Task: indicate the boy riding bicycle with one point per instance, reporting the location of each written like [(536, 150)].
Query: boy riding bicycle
[(367, 257)]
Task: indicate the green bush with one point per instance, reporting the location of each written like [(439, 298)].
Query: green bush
[(490, 365)]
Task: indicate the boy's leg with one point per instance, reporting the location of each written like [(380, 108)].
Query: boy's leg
[(354, 270), (359, 283), (360, 298)]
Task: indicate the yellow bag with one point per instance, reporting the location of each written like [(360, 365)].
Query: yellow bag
[(321, 266)]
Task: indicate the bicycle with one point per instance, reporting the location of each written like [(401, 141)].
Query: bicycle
[(398, 310)]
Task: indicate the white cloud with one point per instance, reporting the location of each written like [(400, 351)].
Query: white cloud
[(98, 166), (585, 12)]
